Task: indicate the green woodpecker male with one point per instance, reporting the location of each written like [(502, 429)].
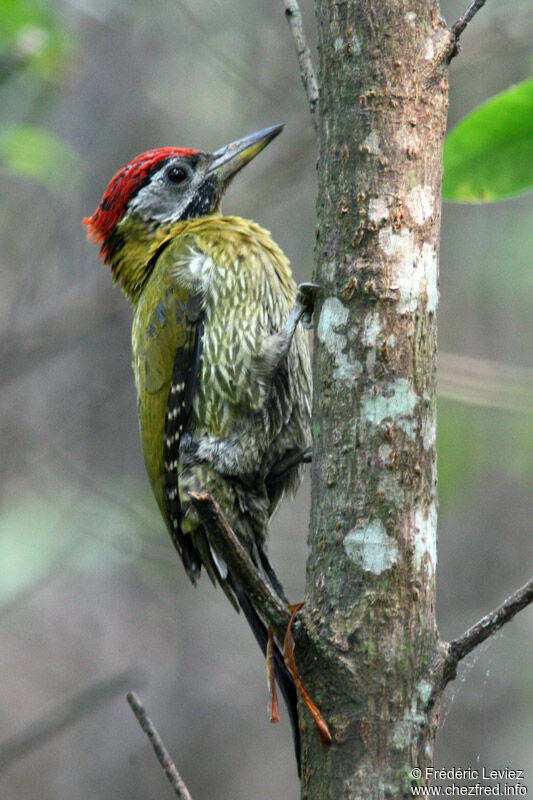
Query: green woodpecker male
[(221, 365)]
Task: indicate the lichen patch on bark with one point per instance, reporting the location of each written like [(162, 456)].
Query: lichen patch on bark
[(397, 406), (420, 204), (424, 523), (371, 144), (424, 690), (378, 210), (413, 268), (429, 433), (372, 327), (429, 52), (371, 548), (334, 316), (408, 726)]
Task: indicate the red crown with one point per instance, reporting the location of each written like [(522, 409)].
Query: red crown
[(122, 187)]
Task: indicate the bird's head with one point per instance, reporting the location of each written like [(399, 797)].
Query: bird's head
[(167, 185)]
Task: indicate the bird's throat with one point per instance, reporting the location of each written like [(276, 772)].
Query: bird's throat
[(132, 251), (134, 247)]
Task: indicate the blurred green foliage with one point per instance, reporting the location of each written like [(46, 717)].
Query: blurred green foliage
[(489, 155), (468, 437), (34, 153), (31, 36), (33, 51), (17, 15)]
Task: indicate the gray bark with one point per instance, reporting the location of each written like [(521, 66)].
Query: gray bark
[(371, 568)]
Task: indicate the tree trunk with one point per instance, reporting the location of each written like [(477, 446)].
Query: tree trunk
[(371, 568)]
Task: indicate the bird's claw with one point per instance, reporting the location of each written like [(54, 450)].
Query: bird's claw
[(305, 300)]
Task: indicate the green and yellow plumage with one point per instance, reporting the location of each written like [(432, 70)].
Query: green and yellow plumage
[(241, 280), (221, 365)]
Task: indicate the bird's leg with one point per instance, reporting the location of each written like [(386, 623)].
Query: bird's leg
[(273, 708), (292, 459), (302, 309), (288, 653), (276, 346)]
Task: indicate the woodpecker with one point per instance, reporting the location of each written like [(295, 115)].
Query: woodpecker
[(221, 364)]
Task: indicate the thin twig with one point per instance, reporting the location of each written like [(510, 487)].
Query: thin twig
[(307, 72), (224, 540), (176, 781), (461, 647), (63, 716), (460, 25)]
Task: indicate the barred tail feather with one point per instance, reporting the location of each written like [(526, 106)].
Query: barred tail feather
[(283, 676)]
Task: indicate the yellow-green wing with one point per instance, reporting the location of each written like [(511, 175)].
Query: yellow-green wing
[(167, 342)]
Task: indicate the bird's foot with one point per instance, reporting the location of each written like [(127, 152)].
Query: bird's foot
[(302, 310), (305, 302), (292, 459), (290, 661), (273, 707)]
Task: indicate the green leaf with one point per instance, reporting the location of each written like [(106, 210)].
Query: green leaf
[(17, 15), (489, 155), (34, 153), (32, 34)]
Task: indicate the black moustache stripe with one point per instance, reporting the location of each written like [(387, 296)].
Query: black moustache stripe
[(203, 201)]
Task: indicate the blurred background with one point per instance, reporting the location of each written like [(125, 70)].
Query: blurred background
[(92, 597)]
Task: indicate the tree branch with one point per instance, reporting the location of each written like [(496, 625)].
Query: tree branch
[(63, 716), (460, 25), (227, 545), (176, 781), (461, 647), (307, 73)]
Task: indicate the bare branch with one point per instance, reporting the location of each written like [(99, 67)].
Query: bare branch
[(460, 25), (461, 647), (176, 781), (307, 72), (226, 543), (63, 716)]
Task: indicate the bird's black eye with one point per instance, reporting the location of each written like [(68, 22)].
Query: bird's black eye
[(177, 174)]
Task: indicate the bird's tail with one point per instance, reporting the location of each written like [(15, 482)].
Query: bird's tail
[(283, 676)]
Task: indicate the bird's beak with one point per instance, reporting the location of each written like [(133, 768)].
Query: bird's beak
[(230, 159)]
